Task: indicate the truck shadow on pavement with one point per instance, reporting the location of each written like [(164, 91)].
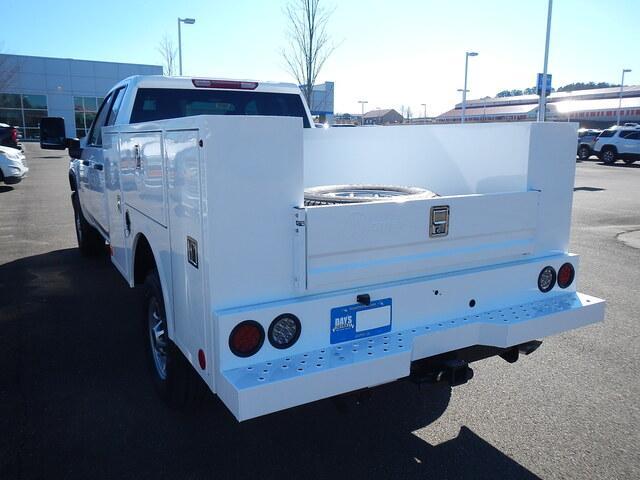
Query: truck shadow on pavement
[(76, 401)]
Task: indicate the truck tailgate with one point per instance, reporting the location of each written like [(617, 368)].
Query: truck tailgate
[(380, 241)]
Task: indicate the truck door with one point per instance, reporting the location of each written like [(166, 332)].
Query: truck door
[(93, 164), (187, 246)]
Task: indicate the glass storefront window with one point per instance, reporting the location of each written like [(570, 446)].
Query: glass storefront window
[(34, 101), (10, 100), (91, 104), (32, 117), (11, 117), (86, 108), (24, 112)]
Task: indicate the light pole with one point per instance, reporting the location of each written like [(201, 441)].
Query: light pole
[(624, 70), (542, 104), (464, 91), (362, 102), (463, 96), (187, 21), (425, 111)]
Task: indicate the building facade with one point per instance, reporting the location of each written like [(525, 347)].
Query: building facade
[(36, 87), (597, 108), (322, 102), (383, 117)]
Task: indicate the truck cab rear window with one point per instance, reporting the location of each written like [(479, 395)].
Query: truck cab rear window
[(153, 104)]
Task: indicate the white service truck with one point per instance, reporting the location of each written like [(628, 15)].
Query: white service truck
[(198, 188)]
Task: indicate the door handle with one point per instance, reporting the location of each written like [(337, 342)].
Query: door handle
[(98, 166), (136, 153)]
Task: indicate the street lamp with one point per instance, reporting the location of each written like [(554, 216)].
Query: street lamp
[(186, 21), (464, 91), (463, 97), (624, 70), (362, 102), (425, 111), (542, 103)]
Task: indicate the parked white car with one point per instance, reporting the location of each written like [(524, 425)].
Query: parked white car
[(13, 167), (619, 142)]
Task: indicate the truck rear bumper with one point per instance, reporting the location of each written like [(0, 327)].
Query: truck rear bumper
[(266, 387)]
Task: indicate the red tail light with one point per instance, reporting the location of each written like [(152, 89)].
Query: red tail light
[(566, 274), (14, 135), (246, 338), (231, 84)]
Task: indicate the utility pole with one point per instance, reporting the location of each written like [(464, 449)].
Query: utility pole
[(425, 111)]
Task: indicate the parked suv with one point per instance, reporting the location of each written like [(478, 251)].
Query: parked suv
[(9, 136), (586, 138), (619, 142)]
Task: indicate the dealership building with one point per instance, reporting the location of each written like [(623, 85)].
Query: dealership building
[(597, 108), (36, 87)]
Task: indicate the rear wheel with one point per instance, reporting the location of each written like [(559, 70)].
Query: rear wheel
[(90, 242), (608, 155), (174, 378), (584, 152)]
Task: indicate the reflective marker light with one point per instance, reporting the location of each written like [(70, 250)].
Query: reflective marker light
[(566, 274), (284, 331), (246, 338), (546, 279)]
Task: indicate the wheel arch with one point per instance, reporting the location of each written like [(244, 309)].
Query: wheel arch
[(144, 258), (73, 184)]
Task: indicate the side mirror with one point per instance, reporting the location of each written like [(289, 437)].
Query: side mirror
[(52, 133)]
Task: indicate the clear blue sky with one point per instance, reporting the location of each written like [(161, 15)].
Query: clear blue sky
[(391, 52)]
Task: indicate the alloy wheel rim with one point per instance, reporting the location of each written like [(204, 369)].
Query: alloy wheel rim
[(158, 338)]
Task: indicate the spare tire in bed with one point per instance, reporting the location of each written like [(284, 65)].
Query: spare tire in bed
[(354, 193)]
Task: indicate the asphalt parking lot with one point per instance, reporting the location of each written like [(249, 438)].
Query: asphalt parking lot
[(76, 400)]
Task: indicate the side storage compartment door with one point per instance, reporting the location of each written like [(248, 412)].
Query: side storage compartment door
[(115, 203), (187, 248), (141, 174)]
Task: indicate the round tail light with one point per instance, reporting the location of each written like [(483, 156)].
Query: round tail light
[(566, 274), (546, 279), (246, 338), (284, 331)]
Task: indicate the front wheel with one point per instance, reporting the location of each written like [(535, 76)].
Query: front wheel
[(174, 378), (90, 242)]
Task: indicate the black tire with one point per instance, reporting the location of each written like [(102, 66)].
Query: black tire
[(1, 176), (584, 152), (355, 193), (90, 242), (176, 381), (609, 155)]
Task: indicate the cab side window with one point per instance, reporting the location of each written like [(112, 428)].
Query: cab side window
[(95, 136), (115, 106)]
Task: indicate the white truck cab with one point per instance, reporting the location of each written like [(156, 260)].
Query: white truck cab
[(272, 301)]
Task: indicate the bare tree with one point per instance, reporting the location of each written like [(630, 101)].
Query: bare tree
[(168, 53), (309, 45), (8, 70)]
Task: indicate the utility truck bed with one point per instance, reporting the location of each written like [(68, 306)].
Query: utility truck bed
[(275, 304)]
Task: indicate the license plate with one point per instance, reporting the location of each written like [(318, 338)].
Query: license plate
[(359, 321)]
